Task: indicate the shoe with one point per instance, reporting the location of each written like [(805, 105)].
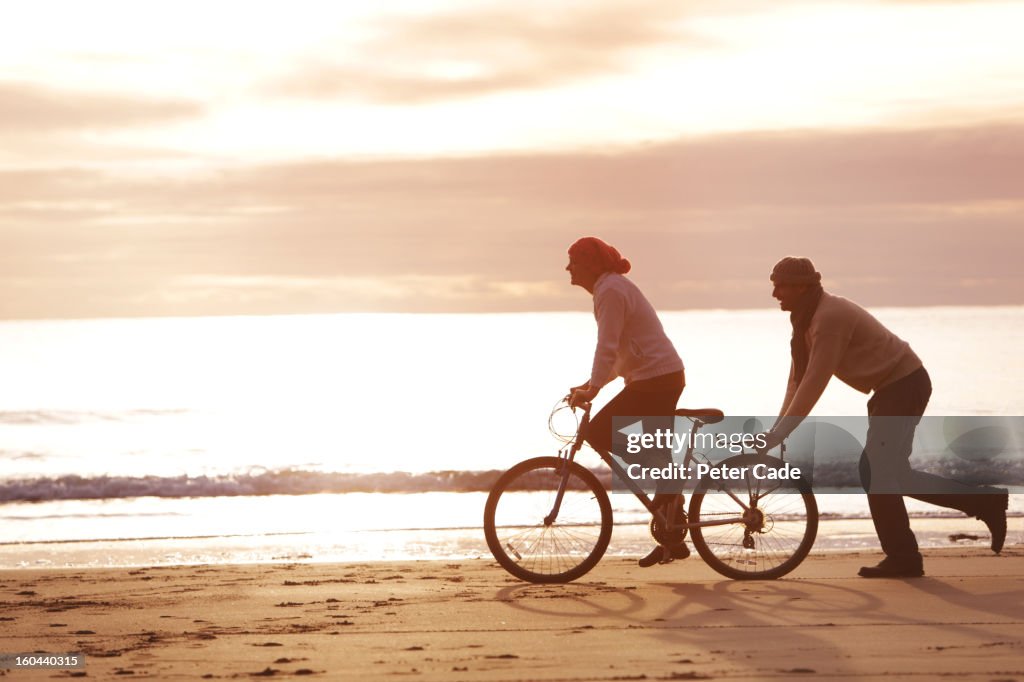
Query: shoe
[(892, 567), (994, 517), (657, 555)]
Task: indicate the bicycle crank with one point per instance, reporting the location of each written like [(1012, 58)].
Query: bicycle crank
[(669, 536)]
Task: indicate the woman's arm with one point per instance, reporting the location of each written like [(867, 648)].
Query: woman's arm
[(610, 311)]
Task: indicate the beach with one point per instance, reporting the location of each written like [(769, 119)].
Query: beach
[(469, 620)]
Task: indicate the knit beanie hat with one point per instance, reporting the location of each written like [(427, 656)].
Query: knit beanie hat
[(599, 255), (794, 270)]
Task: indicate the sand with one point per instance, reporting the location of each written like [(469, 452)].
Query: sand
[(468, 620)]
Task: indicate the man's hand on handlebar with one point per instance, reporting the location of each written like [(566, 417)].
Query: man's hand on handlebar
[(772, 439), (579, 395)]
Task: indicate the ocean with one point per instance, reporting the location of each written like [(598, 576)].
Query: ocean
[(368, 436)]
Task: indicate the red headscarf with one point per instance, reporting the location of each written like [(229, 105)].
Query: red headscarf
[(599, 255)]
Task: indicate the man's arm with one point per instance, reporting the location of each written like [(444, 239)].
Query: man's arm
[(790, 391), (826, 352)]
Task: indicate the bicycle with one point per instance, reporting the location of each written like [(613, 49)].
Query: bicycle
[(549, 519)]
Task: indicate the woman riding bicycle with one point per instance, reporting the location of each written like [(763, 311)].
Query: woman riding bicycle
[(631, 343)]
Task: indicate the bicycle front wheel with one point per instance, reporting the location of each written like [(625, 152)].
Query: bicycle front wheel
[(761, 528), (531, 544)]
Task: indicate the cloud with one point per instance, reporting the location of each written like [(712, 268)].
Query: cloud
[(726, 172), (31, 108), (891, 217), (821, 168), (490, 49)]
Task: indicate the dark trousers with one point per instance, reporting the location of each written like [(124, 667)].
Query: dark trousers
[(894, 412), (654, 398)]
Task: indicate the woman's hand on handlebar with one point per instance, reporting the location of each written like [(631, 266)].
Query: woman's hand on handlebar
[(579, 395)]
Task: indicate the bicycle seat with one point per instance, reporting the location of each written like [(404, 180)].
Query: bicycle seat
[(708, 415)]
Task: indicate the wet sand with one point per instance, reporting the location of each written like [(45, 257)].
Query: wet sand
[(468, 620)]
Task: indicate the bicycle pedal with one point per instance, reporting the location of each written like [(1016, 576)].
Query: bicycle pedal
[(673, 553)]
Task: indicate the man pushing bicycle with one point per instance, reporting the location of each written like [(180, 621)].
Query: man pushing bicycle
[(833, 336)]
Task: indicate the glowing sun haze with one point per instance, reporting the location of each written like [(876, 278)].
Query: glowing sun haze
[(230, 157)]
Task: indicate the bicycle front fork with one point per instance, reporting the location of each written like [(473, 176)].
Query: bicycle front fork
[(562, 483)]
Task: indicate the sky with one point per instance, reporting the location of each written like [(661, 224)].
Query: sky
[(197, 158)]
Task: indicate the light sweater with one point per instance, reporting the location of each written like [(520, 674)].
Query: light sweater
[(631, 342), (847, 341)]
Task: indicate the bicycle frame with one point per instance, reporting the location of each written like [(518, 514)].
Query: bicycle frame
[(568, 454)]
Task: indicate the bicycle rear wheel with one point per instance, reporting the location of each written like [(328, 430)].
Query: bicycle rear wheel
[(555, 552), (774, 522)]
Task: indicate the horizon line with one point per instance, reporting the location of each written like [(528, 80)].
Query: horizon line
[(559, 311)]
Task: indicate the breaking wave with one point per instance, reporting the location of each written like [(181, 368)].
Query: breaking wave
[(829, 477), (286, 482)]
